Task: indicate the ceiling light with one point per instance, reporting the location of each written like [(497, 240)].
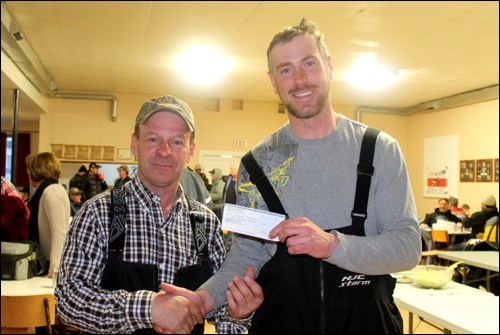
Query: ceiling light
[(367, 74), (202, 65)]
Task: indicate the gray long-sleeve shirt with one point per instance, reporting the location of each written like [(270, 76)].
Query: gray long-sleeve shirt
[(316, 179)]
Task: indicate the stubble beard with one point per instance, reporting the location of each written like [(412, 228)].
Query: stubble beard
[(306, 112), (310, 111)]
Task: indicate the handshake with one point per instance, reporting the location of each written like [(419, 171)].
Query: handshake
[(177, 310)]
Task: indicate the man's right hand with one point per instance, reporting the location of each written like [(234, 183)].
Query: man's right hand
[(244, 295), (201, 297), (174, 314)]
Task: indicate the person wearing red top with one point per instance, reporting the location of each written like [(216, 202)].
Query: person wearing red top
[(14, 214), (455, 210)]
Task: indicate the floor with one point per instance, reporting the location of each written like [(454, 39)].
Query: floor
[(420, 327)]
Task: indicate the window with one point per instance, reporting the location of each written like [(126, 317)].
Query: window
[(8, 158)]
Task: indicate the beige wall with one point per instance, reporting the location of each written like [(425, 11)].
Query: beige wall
[(477, 129), (88, 122)]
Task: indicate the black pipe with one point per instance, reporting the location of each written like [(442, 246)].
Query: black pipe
[(14, 136)]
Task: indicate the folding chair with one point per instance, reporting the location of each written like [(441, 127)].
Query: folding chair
[(21, 314), (440, 241)]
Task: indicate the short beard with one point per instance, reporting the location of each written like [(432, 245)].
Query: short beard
[(310, 111)]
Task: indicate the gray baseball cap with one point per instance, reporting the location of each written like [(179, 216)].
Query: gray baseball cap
[(167, 103)]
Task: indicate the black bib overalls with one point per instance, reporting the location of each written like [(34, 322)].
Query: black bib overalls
[(303, 295)]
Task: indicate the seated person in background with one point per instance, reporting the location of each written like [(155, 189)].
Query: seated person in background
[(466, 209), (455, 210), (442, 212), (477, 221)]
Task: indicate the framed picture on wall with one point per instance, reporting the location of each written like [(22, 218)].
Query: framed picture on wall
[(496, 170), (109, 153), (69, 151), (57, 149), (95, 153), (484, 170), (123, 153), (467, 170), (83, 152)]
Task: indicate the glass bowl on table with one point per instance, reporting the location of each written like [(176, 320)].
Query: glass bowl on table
[(432, 276)]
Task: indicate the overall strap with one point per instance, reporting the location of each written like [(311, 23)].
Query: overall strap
[(258, 178), (117, 218), (365, 173), (198, 232)]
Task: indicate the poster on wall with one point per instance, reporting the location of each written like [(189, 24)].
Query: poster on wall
[(440, 166)]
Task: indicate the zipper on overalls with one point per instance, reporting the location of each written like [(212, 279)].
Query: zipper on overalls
[(322, 321)]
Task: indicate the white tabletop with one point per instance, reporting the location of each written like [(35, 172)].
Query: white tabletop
[(483, 259), (32, 286), (460, 232), (459, 308)]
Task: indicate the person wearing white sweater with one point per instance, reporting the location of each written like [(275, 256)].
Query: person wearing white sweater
[(49, 207)]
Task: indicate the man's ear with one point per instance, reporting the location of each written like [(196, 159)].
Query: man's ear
[(192, 146), (133, 145)]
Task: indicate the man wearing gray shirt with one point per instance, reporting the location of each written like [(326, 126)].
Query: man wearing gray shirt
[(323, 276)]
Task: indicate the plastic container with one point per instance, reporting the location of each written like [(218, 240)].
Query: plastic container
[(432, 276)]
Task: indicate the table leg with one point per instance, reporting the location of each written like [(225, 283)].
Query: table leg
[(464, 274), (410, 323), (488, 280)]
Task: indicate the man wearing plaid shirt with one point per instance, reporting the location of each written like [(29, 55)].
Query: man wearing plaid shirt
[(123, 295)]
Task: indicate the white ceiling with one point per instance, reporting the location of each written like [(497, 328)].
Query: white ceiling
[(105, 47)]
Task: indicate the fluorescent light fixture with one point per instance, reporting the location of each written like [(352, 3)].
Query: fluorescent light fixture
[(367, 74), (201, 65)]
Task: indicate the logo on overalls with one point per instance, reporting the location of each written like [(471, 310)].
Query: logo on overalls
[(355, 280)]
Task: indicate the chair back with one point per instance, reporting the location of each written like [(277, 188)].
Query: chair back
[(491, 230), (28, 311), (440, 236)]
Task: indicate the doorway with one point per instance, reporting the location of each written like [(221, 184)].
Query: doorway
[(219, 159)]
